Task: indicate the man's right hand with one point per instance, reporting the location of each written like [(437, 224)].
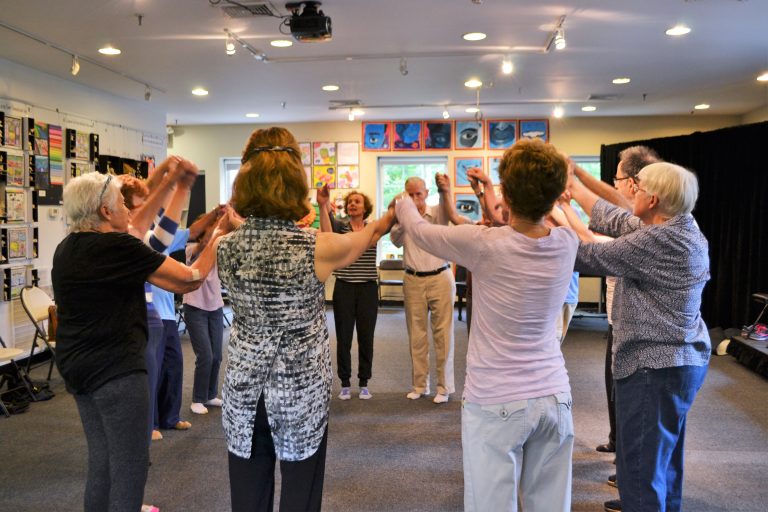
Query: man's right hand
[(323, 196)]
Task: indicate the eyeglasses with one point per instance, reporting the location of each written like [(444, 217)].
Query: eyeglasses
[(616, 179), (636, 188), (103, 190)]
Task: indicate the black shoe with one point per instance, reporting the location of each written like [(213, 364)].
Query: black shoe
[(612, 480), (612, 506), (606, 448)]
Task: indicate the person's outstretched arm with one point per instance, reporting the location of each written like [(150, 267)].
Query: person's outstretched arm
[(447, 205), (599, 188)]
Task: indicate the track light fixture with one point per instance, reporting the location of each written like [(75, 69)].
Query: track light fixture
[(351, 115), (560, 39), (147, 93), (229, 45), (506, 66), (403, 66), (446, 115), (75, 65)]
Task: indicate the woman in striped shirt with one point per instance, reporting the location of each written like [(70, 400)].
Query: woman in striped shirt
[(355, 294)]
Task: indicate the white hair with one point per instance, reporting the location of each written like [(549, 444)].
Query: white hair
[(84, 195), (676, 187)]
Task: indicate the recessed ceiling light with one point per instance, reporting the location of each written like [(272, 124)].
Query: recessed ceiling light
[(506, 66), (621, 80), (473, 83), (558, 112), (281, 43), (252, 114), (199, 91), (678, 30), (358, 111), (702, 106), (588, 108), (109, 50), (331, 87), (472, 110), (474, 36), (763, 77)]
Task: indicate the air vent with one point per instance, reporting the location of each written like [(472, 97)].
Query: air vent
[(604, 97), (251, 10)]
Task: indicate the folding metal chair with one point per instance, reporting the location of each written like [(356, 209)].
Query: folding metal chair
[(36, 303)]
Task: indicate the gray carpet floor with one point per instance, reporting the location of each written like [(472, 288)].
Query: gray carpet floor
[(393, 454)]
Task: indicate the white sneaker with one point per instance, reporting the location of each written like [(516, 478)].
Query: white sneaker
[(440, 398), (413, 395), (214, 402), (365, 394), (345, 394), (198, 408)]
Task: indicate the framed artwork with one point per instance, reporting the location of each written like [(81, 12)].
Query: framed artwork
[(82, 146), (42, 173), (348, 153), (461, 166), (468, 205), (41, 138), (377, 136), (16, 205), (17, 243), (55, 143), (324, 153), (469, 135), (306, 153), (17, 279), (438, 135), (493, 169), (323, 175), (534, 129), (78, 169), (15, 164), (406, 136), (502, 133), (57, 172), (348, 176), (13, 132)]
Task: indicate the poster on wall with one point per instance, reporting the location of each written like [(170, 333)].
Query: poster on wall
[(82, 146), (15, 205), (438, 135), (502, 133), (469, 135), (348, 176), (306, 153), (377, 136), (324, 153), (323, 175), (461, 166), (78, 169), (406, 136), (17, 280), (468, 205), (15, 164), (13, 132), (41, 138), (17, 243), (348, 153), (534, 129), (42, 173), (493, 169)]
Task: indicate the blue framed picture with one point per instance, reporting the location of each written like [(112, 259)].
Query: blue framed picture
[(468, 135), (461, 166), (438, 135), (493, 169), (406, 136), (377, 136), (468, 205), (534, 129), (502, 133)]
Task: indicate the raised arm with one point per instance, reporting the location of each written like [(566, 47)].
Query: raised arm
[(334, 251), (323, 202), (483, 186), (447, 205), (582, 195), (143, 217), (599, 188)]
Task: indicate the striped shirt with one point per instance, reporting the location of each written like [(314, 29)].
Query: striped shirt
[(364, 268)]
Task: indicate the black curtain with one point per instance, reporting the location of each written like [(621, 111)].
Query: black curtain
[(732, 211)]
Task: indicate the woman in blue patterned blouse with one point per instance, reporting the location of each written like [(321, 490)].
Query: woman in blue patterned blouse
[(277, 388), (661, 346)]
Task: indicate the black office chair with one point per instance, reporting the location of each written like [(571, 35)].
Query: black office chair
[(386, 269)]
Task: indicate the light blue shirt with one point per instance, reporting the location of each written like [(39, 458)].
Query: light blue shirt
[(162, 299)]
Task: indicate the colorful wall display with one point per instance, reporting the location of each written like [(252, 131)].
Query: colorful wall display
[(406, 136), (469, 135), (323, 175), (438, 135), (534, 129), (502, 134), (461, 166), (348, 176), (468, 205), (324, 153), (377, 136)]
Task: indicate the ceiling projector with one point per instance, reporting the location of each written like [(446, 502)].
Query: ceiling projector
[(309, 25)]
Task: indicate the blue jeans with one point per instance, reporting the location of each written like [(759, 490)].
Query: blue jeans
[(651, 408), (206, 333), (171, 362)]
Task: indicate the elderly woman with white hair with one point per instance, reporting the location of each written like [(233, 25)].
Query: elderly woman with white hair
[(661, 346), (98, 280)]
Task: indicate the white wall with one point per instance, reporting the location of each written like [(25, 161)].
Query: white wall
[(121, 124)]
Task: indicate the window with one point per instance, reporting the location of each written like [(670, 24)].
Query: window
[(229, 169), (393, 171)]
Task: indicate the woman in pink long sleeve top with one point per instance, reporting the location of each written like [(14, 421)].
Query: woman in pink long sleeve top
[(517, 429)]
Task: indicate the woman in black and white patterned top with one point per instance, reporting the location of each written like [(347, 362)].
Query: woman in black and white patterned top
[(355, 293), (278, 378)]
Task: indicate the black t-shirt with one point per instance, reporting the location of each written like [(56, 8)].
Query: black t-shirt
[(98, 281)]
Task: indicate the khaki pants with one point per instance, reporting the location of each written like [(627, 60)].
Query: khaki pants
[(430, 299)]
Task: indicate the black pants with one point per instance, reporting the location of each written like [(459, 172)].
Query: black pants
[(355, 303), (609, 386), (252, 481)]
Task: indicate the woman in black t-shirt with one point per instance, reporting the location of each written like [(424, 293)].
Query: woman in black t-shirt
[(98, 281)]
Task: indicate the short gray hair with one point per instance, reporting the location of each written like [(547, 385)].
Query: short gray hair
[(416, 179), (634, 158), (83, 197), (676, 187)]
